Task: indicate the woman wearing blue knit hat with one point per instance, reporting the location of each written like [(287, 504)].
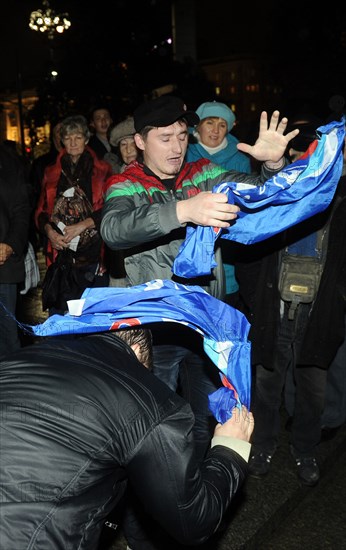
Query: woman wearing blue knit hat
[(211, 139)]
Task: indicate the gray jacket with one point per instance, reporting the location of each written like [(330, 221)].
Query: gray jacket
[(139, 216)]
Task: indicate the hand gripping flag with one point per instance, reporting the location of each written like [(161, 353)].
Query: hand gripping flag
[(299, 191), (223, 328)]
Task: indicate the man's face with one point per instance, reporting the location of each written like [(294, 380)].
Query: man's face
[(164, 149), (101, 121)]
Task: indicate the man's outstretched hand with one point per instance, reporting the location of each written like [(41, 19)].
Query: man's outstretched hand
[(271, 143)]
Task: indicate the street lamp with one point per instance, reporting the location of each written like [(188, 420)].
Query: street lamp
[(46, 20)]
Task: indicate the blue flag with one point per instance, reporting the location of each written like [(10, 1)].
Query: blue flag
[(299, 191), (224, 329)]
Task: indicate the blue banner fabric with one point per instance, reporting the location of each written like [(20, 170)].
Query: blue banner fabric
[(224, 329), (299, 191)]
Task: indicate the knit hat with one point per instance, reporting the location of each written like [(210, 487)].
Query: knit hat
[(218, 110), (120, 131), (163, 111)]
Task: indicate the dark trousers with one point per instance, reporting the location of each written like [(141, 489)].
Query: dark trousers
[(334, 413), (309, 384), (195, 377), (9, 339)]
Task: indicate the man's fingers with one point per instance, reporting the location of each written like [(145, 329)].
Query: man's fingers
[(292, 134), (263, 126), (274, 124)]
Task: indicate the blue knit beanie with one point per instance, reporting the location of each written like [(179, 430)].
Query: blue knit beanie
[(216, 109)]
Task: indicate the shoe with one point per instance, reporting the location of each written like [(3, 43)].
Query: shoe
[(308, 470), (259, 464)]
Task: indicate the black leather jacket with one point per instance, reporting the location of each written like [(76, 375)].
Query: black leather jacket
[(80, 419)]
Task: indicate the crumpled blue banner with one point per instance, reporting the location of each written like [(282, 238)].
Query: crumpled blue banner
[(299, 191), (223, 328)]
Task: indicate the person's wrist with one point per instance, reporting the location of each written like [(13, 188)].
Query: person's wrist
[(89, 224), (180, 212), (275, 165)]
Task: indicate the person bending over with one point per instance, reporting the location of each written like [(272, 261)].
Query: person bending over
[(82, 420)]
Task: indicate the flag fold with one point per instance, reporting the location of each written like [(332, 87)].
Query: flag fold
[(299, 191), (224, 329)]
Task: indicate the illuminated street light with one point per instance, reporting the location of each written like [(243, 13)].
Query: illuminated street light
[(46, 20)]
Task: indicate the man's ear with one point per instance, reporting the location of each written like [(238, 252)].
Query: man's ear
[(136, 348), (139, 141)]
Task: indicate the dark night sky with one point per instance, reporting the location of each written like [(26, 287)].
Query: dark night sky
[(108, 27), (305, 40)]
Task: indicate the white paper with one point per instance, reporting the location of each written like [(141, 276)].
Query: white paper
[(75, 307), (74, 242)]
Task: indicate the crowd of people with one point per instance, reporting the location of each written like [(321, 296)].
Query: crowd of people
[(109, 205)]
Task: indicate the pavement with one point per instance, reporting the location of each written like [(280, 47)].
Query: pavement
[(273, 513)]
